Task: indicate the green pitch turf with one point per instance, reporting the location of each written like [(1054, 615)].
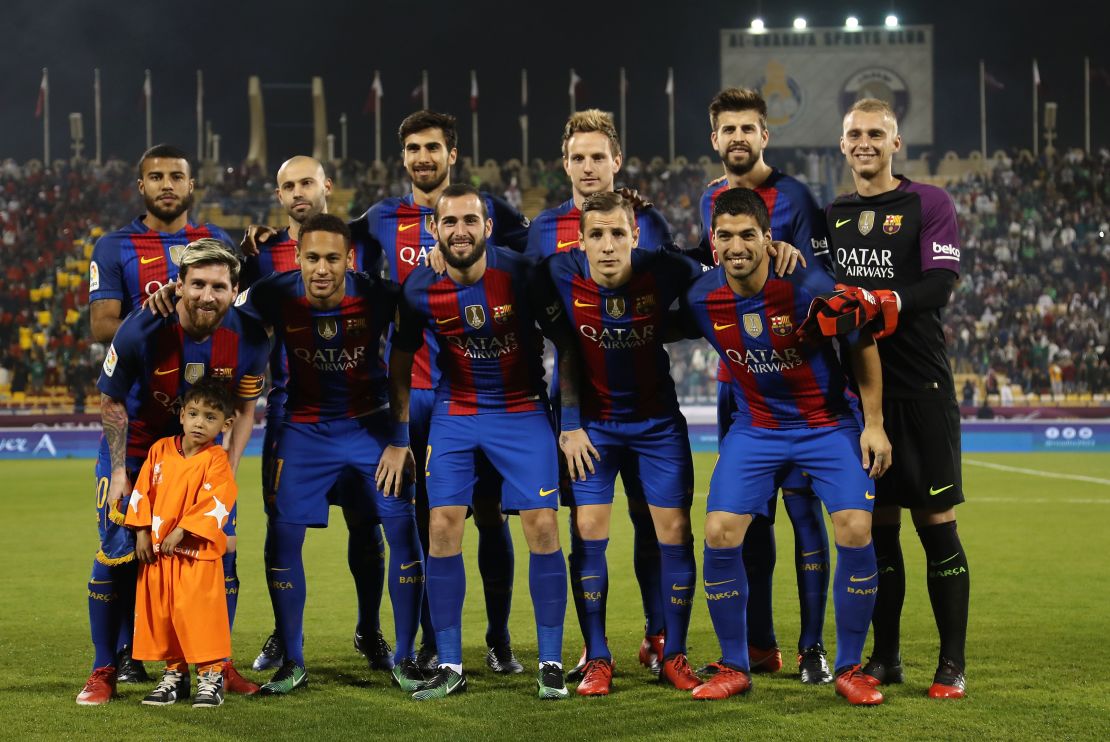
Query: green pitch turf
[(1037, 647)]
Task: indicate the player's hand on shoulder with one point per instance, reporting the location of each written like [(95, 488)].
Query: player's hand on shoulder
[(639, 203), (162, 301), (435, 261), (396, 462), (144, 546), (580, 452), (255, 235), (786, 257), (876, 449)]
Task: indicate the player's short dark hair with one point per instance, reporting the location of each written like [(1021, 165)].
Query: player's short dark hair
[(461, 189), (326, 223), (209, 251), (167, 151), (736, 100), (211, 392), (742, 202), (606, 201), (592, 119), (424, 120)]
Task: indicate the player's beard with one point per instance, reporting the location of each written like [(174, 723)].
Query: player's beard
[(462, 263), (313, 210), (203, 323), (741, 168), (428, 186), (164, 213)]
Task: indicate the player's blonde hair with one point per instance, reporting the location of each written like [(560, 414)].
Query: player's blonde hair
[(592, 119), (874, 105), (209, 251)]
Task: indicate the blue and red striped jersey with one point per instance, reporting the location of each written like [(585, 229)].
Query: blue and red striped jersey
[(777, 381), (152, 362), (335, 361), (399, 232), (491, 351), (556, 230), (619, 332), (132, 263)]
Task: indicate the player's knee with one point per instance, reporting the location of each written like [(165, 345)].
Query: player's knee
[(672, 526), (853, 528), (541, 529), (592, 521), (232, 542), (725, 530)]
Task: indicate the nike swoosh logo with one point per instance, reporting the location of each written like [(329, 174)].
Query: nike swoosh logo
[(445, 321), (718, 328), (545, 493), (841, 222), (863, 579), (101, 582), (811, 553), (582, 304), (942, 489), (560, 244), (722, 582), (146, 261), (160, 372), (937, 564), (589, 577), (868, 496), (410, 565), (679, 587), (403, 227), (296, 329), (280, 569)]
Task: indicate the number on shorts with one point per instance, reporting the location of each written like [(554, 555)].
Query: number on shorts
[(101, 492)]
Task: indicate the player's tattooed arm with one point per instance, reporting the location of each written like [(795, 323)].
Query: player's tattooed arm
[(113, 421), (874, 443)]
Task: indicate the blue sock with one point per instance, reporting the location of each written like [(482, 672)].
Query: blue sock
[(855, 585), (446, 590), (366, 561), (104, 614), (726, 591), (590, 577), (759, 566), (645, 561), (496, 566), (547, 582), (811, 561), (286, 578), (406, 582), (679, 573), (231, 587)]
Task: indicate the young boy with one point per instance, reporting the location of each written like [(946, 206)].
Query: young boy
[(181, 501)]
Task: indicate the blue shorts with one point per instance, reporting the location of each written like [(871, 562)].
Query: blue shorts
[(421, 404), (753, 459), (313, 459), (520, 446), (658, 449)]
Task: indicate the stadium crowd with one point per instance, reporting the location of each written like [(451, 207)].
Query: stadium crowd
[(1032, 309)]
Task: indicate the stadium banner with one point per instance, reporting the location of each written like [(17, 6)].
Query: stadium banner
[(979, 436), (810, 77)]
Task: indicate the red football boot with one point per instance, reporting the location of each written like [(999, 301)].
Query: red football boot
[(99, 688), (725, 682), (597, 679), (236, 683), (948, 682), (853, 685), (765, 660), (677, 672), (651, 652)]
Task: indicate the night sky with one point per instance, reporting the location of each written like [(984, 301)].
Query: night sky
[(344, 42)]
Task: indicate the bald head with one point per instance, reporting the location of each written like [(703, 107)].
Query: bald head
[(302, 188)]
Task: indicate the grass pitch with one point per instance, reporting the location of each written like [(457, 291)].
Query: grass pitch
[(1037, 644)]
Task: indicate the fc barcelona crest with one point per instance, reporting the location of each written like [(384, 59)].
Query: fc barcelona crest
[(866, 222), (327, 327), (753, 325), (194, 372), (176, 252), (475, 316), (893, 223), (614, 306), (782, 325), (503, 313), (645, 305)]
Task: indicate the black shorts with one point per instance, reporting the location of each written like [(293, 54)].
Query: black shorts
[(925, 436)]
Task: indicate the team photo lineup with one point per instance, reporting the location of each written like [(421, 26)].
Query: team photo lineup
[(401, 357)]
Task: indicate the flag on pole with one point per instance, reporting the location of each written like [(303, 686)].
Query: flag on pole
[(993, 82), (473, 90), (418, 93), (669, 90), (375, 95), (147, 86), (574, 80), (44, 88), (1036, 74)]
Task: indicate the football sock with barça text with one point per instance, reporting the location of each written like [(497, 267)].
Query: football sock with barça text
[(590, 580), (892, 593), (726, 591), (854, 587), (446, 591), (949, 587), (645, 562), (286, 576), (406, 581), (811, 561), (547, 583), (759, 566), (267, 556), (496, 565), (231, 587), (678, 586), (104, 613)]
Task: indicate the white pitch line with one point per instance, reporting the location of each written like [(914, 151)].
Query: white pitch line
[(1037, 501), (1038, 472)]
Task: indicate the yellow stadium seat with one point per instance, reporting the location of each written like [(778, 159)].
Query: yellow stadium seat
[(72, 316), (47, 292), (44, 318), (35, 295)]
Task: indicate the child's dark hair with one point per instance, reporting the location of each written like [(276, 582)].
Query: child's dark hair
[(212, 393)]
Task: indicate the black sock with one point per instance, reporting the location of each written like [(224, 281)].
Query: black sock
[(949, 587), (892, 593)]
